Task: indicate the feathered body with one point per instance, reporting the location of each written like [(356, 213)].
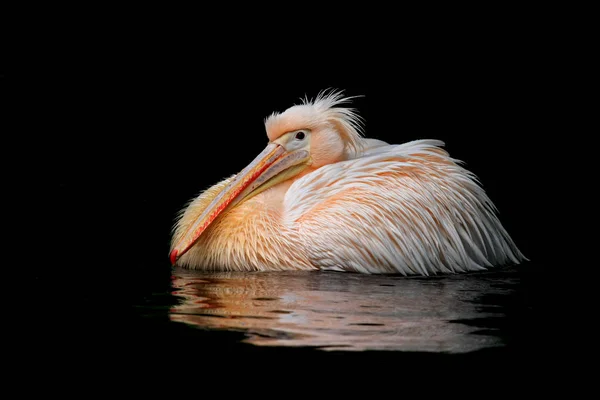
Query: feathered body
[(361, 205)]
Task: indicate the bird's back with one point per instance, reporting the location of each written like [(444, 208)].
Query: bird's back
[(408, 209)]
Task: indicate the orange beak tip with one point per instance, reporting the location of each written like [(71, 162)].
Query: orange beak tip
[(173, 256)]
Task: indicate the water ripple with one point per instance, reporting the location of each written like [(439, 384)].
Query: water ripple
[(330, 310)]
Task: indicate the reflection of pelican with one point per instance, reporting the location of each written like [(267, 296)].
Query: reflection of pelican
[(322, 197), (360, 312)]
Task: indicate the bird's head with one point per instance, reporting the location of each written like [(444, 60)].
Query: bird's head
[(327, 132), (303, 137)]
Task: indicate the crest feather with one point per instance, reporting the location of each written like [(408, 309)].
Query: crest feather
[(324, 108)]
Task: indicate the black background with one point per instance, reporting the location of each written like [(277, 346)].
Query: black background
[(134, 118)]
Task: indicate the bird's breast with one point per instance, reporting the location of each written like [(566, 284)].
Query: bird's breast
[(251, 236)]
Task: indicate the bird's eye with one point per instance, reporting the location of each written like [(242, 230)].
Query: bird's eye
[(300, 135)]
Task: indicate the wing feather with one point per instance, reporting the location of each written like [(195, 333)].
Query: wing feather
[(408, 209)]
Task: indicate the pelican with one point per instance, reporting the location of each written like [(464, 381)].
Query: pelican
[(321, 196)]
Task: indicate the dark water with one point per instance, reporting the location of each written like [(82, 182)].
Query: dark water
[(191, 326), (336, 311), (347, 312)]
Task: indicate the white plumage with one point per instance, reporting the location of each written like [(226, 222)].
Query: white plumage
[(402, 214)]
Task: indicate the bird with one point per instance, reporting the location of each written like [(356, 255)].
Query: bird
[(322, 196)]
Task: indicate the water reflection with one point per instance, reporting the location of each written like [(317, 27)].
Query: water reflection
[(347, 311)]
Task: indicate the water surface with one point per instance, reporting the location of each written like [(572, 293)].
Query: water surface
[(351, 312)]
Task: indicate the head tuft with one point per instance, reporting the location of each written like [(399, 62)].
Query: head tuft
[(322, 111)]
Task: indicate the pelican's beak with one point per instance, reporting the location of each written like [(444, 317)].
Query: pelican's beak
[(273, 165)]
